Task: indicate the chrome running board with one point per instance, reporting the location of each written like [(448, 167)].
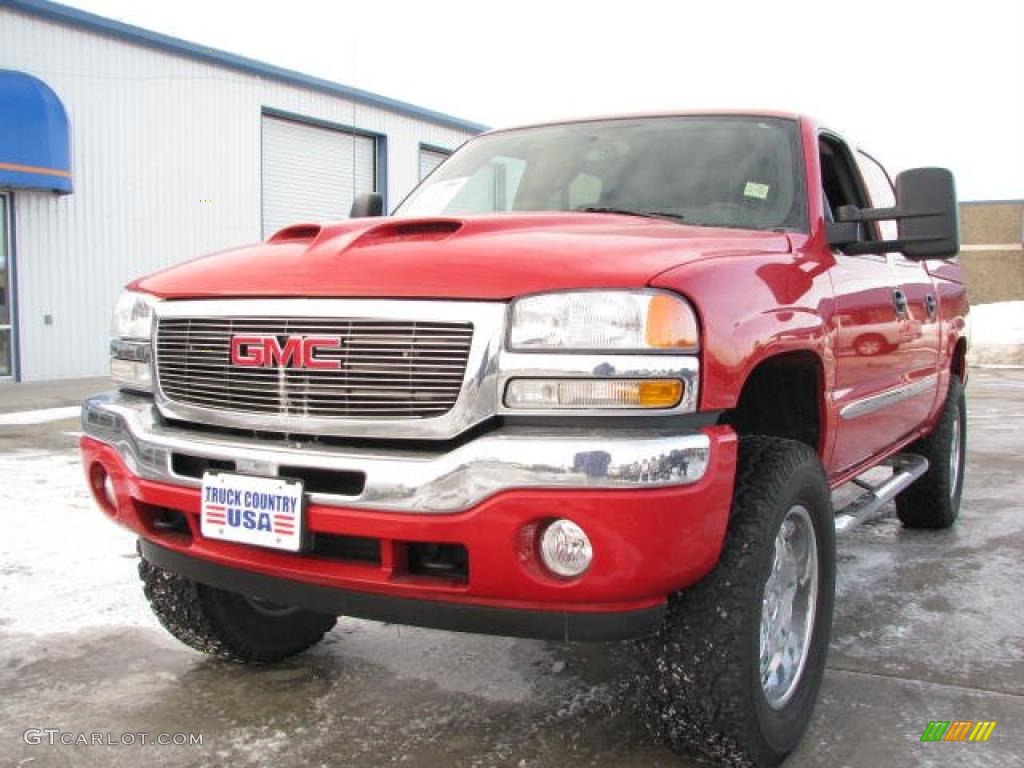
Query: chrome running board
[(907, 467)]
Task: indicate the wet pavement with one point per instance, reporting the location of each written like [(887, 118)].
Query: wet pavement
[(929, 626)]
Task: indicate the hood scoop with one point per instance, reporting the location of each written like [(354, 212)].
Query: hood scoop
[(422, 230), (297, 233)]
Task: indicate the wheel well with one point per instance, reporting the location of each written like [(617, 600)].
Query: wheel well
[(958, 365), (782, 398)]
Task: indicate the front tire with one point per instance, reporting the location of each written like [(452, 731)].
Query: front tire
[(934, 500), (228, 625), (735, 671)]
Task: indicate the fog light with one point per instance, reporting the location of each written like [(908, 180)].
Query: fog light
[(103, 488), (565, 549), (108, 489)]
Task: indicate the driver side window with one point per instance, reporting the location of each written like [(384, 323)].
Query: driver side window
[(881, 191), (841, 183)]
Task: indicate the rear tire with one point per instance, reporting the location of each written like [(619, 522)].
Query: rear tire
[(934, 500), (722, 680), (228, 625)]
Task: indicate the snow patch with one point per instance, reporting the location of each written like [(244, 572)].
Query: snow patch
[(39, 416), (63, 565), (995, 333)]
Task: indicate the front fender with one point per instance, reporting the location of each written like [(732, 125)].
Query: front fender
[(751, 308)]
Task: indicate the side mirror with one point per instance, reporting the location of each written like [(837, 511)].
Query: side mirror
[(926, 215), (367, 204), (930, 228)]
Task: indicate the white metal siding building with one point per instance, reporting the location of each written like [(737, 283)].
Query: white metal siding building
[(176, 151)]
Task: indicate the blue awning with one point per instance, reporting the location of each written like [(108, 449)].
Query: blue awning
[(35, 149)]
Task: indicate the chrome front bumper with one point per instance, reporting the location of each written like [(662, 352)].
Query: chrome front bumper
[(412, 481)]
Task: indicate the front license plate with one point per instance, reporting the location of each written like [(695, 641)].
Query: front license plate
[(265, 511)]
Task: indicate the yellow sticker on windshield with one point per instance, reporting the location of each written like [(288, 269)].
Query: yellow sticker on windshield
[(753, 189)]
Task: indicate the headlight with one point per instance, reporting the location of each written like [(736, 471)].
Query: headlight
[(130, 347), (608, 321), (133, 316), (615, 352)]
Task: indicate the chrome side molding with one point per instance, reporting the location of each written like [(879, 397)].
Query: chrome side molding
[(872, 403)]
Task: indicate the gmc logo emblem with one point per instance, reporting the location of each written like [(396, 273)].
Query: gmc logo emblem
[(294, 352)]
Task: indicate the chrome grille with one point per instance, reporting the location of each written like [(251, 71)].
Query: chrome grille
[(389, 369)]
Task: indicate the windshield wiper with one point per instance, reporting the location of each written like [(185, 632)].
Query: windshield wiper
[(668, 215)]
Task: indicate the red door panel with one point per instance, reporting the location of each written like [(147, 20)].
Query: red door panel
[(868, 335)]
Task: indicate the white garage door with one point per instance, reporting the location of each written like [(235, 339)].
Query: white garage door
[(312, 173), (429, 160)]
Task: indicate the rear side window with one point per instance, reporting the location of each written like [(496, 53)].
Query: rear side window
[(880, 190)]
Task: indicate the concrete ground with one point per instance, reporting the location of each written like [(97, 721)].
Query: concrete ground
[(929, 626)]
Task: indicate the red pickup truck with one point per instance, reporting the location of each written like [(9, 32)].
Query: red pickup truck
[(592, 380)]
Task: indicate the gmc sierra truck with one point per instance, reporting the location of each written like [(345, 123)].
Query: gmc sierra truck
[(592, 380)]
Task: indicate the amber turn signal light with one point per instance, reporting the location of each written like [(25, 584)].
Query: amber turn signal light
[(594, 393), (671, 323)]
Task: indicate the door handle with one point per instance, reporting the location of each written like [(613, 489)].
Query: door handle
[(899, 300), (930, 305)]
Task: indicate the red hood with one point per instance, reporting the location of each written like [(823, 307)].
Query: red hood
[(487, 257)]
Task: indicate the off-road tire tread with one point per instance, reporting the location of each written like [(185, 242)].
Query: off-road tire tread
[(696, 698), (927, 503), (189, 611)]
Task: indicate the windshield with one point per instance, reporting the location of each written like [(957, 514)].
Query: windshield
[(739, 172)]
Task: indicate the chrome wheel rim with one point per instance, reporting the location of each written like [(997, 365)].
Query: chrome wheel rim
[(788, 607), (954, 456)]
